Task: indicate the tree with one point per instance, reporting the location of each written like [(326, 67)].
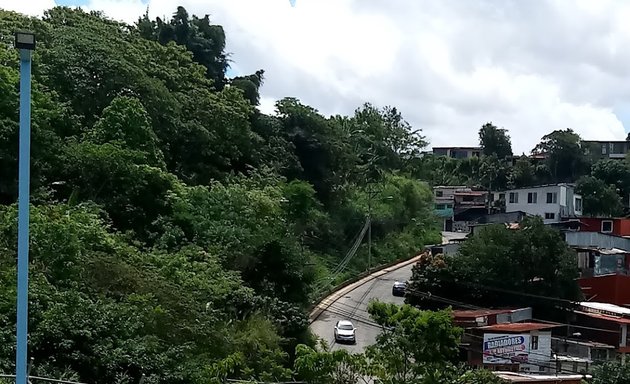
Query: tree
[(612, 372), (565, 156), (330, 367), (177, 231), (495, 141), (206, 41), (614, 172), (501, 266), (598, 197), (414, 344), (523, 173), (250, 85)]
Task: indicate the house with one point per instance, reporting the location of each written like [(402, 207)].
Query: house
[(444, 197), (588, 352), (459, 206), (551, 202), (484, 317), (513, 377), (457, 152), (605, 323), (512, 347), (596, 240), (619, 226), (612, 288), (613, 149), (593, 261)]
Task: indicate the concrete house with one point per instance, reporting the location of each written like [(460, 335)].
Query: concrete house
[(551, 202)]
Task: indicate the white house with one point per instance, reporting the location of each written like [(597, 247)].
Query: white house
[(551, 202)]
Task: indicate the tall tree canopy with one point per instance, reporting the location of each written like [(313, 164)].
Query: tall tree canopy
[(495, 141), (530, 266), (565, 155), (178, 232)]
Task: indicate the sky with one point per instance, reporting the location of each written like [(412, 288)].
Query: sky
[(449, 66)]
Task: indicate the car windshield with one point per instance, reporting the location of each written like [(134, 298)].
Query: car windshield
[(346, 327)]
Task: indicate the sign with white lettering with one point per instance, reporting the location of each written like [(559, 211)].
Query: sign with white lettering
[(505, 348)]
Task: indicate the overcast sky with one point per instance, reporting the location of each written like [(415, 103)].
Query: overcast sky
[(530, 66)]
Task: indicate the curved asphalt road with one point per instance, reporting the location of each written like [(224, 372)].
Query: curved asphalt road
[(350, 303)]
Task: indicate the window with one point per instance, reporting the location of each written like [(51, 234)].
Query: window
[(607, 226), (578, 204), (502, 196), (532, 198), (550, 216), (449, 205), (513, 197), (604, 149), (552, 197), (439, 193), (533, 343)]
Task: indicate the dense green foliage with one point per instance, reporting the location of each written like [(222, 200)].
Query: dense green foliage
[(177, 232), (529, 266), (414, 347), (613, 372)]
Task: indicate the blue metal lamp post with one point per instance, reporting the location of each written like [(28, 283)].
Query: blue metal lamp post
[(25, 43)]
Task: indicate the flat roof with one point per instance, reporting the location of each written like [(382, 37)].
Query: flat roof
[(572, 185), (518, 327), (475, 148), (470, 193), (514, 377), (605, 307), (465, 313), (588, 343)]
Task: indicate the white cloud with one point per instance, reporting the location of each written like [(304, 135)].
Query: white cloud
[(449, 65), (28, 7)]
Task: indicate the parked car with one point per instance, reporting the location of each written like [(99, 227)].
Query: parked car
[(399, 288), (345, 332)]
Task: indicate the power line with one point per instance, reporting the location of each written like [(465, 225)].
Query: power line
[(430, 296)]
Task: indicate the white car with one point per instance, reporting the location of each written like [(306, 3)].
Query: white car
[(345, 332)]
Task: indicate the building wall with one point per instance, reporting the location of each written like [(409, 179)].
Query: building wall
[(613, 289), (457, 152), (563, 207), (620, 226), (516, 316), (600, 330), (594, 239), (608, 149), (541, 356), (538, 360)]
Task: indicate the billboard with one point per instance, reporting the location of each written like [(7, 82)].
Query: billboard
[(505, 348)]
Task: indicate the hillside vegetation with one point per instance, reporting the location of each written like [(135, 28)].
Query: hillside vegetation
[(177, 232)]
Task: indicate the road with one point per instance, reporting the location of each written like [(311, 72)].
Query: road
[(353, 305), (353, 301)]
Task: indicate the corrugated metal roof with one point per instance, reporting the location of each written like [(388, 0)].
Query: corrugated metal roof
[(466, 313), (605, 307), (518, 327), (514, 377)]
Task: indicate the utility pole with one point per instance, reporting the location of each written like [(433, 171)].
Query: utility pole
[(25, 43), (369, 234)]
